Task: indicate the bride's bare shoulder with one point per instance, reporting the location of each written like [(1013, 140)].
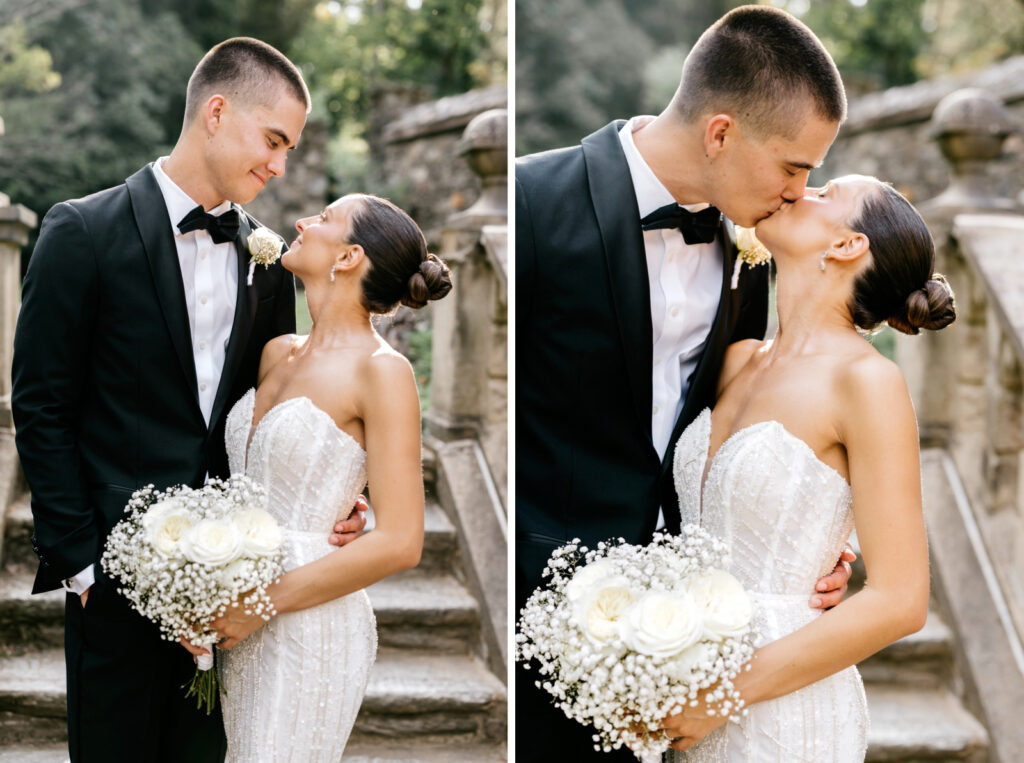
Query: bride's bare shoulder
[(736, 356), (277, 349)]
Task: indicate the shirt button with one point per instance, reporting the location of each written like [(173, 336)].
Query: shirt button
[(202, 345), (202, 388), (655, 410), (202, 255), (675, 310), (202, 300)]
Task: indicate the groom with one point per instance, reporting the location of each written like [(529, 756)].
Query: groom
[(624, 298), (137, 334)]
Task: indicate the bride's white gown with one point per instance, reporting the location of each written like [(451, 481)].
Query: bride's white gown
[(293, 688), (785, 516)]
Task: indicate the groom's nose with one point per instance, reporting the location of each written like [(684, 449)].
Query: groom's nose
[(796, 187)]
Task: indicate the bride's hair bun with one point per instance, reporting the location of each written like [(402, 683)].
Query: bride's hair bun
[(401, 270), (931, 307), (432, 281)]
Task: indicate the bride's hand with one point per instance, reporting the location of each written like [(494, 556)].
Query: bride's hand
[(235, 625), (693, 724)]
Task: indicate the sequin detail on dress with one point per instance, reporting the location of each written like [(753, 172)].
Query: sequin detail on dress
[(786, 516), (294, 687)]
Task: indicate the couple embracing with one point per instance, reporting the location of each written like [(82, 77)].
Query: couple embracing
[(148, 352), (648, 398)]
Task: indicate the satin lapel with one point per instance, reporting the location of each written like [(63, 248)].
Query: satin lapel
[(245, 312), (714, 349), (618, 218), (155, 232)]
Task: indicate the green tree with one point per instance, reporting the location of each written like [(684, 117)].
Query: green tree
[(579, 64), (119, 103)]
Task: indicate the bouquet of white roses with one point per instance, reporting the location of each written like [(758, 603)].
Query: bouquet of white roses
[(182, 555), (625, 635)]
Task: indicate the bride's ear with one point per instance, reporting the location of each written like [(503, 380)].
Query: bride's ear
[(849, 247), (351, 257)]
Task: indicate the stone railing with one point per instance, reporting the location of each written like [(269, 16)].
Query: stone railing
[(467, 422), (966, 382), (15, 223)]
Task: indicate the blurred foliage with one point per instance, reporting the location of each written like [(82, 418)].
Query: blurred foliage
[(355, 46), (91, 90), (582, 63)]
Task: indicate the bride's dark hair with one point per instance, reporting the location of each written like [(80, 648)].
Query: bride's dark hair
[(401, 268), (898, 286)]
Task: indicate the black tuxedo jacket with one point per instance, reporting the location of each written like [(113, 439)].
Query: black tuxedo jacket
[(104, 382), (586, 465)]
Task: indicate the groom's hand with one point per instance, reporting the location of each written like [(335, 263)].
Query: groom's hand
[(347, 530), (831, 588)]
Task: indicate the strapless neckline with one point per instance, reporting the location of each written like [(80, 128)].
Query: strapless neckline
[(254, 427)]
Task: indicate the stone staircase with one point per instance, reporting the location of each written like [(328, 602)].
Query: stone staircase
[(430, 698), (914, 700)]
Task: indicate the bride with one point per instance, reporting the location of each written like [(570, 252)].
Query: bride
[(813, 432), (332, 411)]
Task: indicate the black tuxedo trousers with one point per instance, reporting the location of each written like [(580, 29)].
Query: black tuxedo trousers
[(105, 401), (586, 465)]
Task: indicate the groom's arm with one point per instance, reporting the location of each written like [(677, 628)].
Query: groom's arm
[(52, 345)]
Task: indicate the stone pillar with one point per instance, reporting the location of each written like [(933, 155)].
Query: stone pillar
[(470, 323), (15, 223)]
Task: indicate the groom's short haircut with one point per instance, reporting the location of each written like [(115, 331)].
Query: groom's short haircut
[(757, 62), (243, 68)]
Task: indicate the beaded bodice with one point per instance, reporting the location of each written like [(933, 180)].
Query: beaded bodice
[(784, 513)]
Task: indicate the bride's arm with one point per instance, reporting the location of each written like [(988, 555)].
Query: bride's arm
[(877, 426), (391, 422)]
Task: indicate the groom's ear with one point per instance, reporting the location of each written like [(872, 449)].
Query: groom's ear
[(213, 112), (849, 247), (718, 128)]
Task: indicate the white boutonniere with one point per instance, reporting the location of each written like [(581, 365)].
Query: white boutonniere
[(265, 248), (751, 251)]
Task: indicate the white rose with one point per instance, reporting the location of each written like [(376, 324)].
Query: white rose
[(598, 612), (237, 575), (213, 542), (586, 577), (260, 534), (166, 524), (264, 246), (661, 624), (683, 667), (724, 605)]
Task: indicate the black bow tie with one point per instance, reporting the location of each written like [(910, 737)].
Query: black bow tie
[(697, 227), (222, 228)]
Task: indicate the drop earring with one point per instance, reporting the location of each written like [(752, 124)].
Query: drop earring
[(823, 256), (333, 268)]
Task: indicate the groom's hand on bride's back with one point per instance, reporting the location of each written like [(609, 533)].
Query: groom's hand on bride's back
[(347, 530), (830, 590)]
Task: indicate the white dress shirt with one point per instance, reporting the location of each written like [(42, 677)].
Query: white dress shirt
[(686, 285), (209, 273)]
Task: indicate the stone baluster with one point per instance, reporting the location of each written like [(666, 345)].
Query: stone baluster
[(15, 223)]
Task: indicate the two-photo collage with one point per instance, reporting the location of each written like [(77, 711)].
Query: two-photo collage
[(469, 381)]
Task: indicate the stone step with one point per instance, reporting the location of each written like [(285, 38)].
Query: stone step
[(410, 695), (26, 619), (440, 545), (426, 611), (923, 659), (17, 536), (413, 609), (416, 694), (34, 753), (913, 724)]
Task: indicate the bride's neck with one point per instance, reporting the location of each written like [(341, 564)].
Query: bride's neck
[(809, 310), (336, 315)]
